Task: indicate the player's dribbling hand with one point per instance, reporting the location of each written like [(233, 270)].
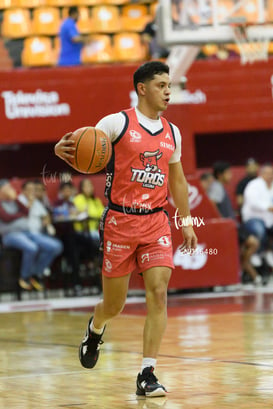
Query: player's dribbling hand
[(65, 149), (190, 239)]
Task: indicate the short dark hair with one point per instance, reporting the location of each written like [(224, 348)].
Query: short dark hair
[(63, 185), (72, 10), (147, 71), (220, 167), (205, 176)]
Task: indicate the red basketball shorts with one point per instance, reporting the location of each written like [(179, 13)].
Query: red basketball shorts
[(133, 241)]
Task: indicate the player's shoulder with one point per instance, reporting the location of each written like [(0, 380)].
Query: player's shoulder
[(174, 127)]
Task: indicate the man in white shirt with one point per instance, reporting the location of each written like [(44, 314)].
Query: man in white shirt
[(257, 210)]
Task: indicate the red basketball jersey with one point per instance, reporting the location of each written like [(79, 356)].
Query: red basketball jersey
[(137, 173)]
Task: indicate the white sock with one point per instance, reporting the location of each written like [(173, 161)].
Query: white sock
[(146, 362), (96, 330)]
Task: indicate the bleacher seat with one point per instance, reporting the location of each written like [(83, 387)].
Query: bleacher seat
[(134, 17), (5, 4), (84, 23), (56, 47), (16, 23), (89, 2), (99, 50), (28, 3), (46, 21), (60, 3), (128, 47), (106, 19), (116, 2), (38, 52), (153, 9)]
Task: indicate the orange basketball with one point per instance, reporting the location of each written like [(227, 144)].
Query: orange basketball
[(93, 150)]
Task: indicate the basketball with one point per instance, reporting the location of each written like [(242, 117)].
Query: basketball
[(93, 150)]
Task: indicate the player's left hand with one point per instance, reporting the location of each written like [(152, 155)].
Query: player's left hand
[(190, 239)]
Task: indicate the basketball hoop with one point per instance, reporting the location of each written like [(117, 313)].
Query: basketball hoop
[(251, 47)]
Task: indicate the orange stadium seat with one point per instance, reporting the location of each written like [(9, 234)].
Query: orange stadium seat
[(46, 21), (84, 23), (153, 9), (56, 48), (99, 50), (106, 19), (89, 2), (116, 2), (5, 4), (28, 3), (134, 17), (60, 3), (128, 47), (16, 23), (249, 10), (38, 52)]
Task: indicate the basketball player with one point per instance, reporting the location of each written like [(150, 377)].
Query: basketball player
[(135, 231)]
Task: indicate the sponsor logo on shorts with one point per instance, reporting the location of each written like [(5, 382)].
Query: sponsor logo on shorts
[(116, 247), (134, 136), (113, 221), (108, 246), (146, 257), (164, 241), (108, 265)]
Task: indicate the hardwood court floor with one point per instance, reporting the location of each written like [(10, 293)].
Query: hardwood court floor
[(216, 354)]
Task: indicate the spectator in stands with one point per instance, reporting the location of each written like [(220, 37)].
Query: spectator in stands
[(150, 39), (206, 180), (71, 40), (252, 168), (38, 250), (218, 194), (40, 225), (86, 201), (77, 246), (257, 209), (41, 194)]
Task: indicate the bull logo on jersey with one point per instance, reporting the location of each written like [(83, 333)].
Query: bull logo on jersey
[(149, 160), (151, 175)]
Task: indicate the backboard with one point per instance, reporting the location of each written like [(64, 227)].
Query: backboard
[(209, 21)]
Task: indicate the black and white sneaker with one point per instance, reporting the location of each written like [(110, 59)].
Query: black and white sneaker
[(148, 385), (90, 347)]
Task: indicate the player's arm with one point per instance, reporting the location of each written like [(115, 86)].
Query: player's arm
[(178, 187)]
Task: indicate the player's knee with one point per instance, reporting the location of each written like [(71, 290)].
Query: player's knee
[(158, 295), (113, 309)]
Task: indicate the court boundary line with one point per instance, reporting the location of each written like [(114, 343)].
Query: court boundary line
[(90, 301)]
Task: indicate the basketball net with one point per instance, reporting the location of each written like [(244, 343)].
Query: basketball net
[(251, 48)]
